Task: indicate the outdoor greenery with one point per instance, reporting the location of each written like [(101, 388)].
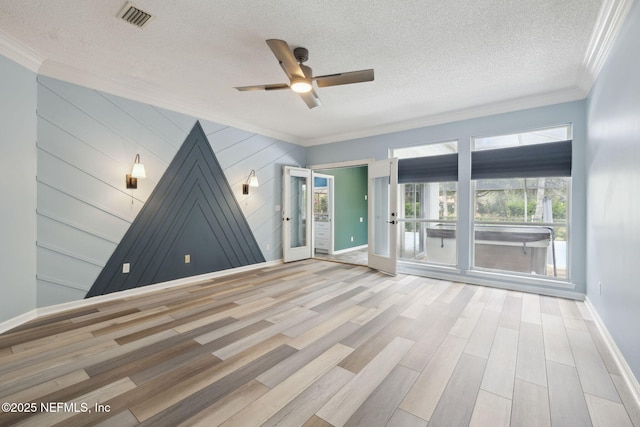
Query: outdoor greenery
[(496, 200), (520, 200), (415, 208), (509, 206)]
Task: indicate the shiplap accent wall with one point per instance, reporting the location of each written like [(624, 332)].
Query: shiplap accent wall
[(192, 211), (87, 141)]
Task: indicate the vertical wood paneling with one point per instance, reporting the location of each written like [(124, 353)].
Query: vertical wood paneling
[(87, 141)]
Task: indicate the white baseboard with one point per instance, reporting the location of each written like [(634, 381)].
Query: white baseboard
[(501, 281), (52, 309), (355, 248), (18, 320), (625, 370)]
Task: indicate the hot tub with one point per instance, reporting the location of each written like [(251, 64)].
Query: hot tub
[(508, 248)]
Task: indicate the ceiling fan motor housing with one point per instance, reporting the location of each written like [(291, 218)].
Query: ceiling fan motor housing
[(301, 54)]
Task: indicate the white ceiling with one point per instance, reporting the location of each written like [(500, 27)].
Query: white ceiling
[(434, 60)]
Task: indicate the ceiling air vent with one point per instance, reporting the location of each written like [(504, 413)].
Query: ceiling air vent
[(134, 16)]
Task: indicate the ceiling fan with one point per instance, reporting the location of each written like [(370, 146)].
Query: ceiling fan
[(300, 76)]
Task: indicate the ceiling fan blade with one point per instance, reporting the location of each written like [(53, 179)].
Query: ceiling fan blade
[(344, 78), (311, 99), (288, 62), (263, 87)]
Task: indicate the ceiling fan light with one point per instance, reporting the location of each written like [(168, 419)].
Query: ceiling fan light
[(301, 85)]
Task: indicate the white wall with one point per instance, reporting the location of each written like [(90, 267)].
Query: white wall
[(17, 189), (613, 188)]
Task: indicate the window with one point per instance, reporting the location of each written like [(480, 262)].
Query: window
[(521, 202), (427, 215)]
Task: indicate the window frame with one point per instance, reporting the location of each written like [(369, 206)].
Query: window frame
[(473, 269), (401, 202)]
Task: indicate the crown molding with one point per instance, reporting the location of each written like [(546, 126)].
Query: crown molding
[(168, 100), (608, 24), (610, 19), (20, 53), (515, 104)]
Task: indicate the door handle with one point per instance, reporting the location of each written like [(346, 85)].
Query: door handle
[(391, 222), (285, 219)]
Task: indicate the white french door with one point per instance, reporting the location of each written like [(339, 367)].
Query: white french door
[(383, 216), (297, 213)]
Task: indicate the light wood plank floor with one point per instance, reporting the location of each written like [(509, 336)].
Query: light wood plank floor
[(315, 343), (356, 257)]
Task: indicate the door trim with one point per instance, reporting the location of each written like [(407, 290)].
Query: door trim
[(330, 191)]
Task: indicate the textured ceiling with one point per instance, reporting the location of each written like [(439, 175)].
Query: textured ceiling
[(433, 60)]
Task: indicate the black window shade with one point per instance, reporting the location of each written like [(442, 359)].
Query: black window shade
[(527, 161), (442, 168)]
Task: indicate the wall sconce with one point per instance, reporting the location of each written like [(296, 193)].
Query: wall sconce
[(252, 181), (137, 172)]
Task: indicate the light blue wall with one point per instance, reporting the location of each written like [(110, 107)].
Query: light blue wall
[(613, 188), (87, 141), (573, 112), (17, 189)]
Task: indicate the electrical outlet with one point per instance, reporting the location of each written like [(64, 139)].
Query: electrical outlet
[(365, 197), (277, 208), (126, 267), (352, 238), (187, 259), (361, 219), (599, 288), (268, 246)]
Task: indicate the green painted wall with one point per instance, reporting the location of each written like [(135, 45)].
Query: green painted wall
[(350, 186)]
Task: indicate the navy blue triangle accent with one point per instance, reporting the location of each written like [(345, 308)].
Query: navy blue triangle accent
[(192, 211)]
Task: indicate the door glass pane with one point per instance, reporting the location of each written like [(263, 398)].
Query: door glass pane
[(381, 228), (427, 221), (298, 223)]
